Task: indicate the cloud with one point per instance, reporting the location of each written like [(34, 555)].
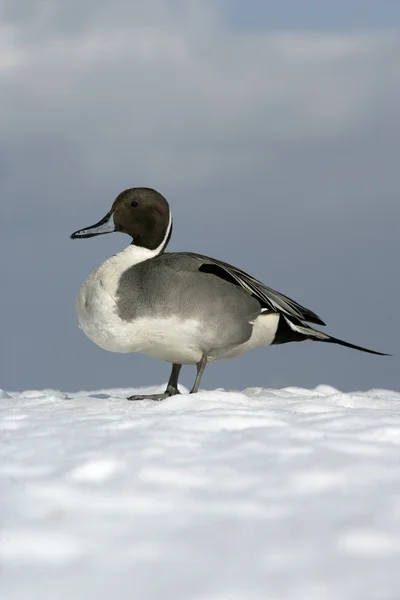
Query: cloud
[(159, 88)]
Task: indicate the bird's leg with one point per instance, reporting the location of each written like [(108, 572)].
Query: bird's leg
[(200, 370), (172, 387)]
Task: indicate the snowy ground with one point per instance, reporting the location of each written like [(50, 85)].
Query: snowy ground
[(260, 495)]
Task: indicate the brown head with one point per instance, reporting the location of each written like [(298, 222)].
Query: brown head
[(142, 213)]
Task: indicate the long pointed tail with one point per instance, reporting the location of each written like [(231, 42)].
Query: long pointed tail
[(299, 332), (333, 340)]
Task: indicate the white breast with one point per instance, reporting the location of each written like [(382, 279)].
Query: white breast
[(165, 338), (96, 303), (168, 339)]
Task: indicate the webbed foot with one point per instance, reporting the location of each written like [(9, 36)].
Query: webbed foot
[(170, 391)]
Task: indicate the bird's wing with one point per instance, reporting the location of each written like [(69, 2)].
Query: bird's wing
[(268, 298)]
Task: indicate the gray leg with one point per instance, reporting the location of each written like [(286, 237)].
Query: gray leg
[(172, 387), (200, 370)]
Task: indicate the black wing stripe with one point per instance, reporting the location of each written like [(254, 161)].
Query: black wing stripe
[(266, 296)]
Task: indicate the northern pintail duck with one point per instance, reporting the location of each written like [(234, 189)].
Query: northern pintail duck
[(180, 307)]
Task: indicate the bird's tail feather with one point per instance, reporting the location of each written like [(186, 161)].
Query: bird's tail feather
[(333, 340), (318, 336)]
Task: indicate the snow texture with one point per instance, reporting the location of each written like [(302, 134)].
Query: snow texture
[(261, 495)]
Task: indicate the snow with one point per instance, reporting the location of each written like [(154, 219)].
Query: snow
[(259, 495)]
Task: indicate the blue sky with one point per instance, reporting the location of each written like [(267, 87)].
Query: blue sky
[(273, 128)]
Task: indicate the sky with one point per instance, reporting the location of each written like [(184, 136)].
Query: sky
[(273, 129)]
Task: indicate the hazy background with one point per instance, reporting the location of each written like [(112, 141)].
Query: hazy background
[(272, 127)]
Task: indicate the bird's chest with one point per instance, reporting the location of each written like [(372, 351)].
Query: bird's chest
[(166, 338), (97, 314), (96, 305)]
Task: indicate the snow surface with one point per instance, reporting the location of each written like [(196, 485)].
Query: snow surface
[(260, 495)]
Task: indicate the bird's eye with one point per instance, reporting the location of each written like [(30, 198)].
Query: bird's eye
[(134, 204)]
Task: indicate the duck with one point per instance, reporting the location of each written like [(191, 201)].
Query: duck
[(180, 307)]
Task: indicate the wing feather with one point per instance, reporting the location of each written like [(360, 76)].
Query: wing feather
[(268, 298)]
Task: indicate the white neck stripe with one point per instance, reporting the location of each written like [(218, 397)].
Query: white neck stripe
[(165, 240)]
